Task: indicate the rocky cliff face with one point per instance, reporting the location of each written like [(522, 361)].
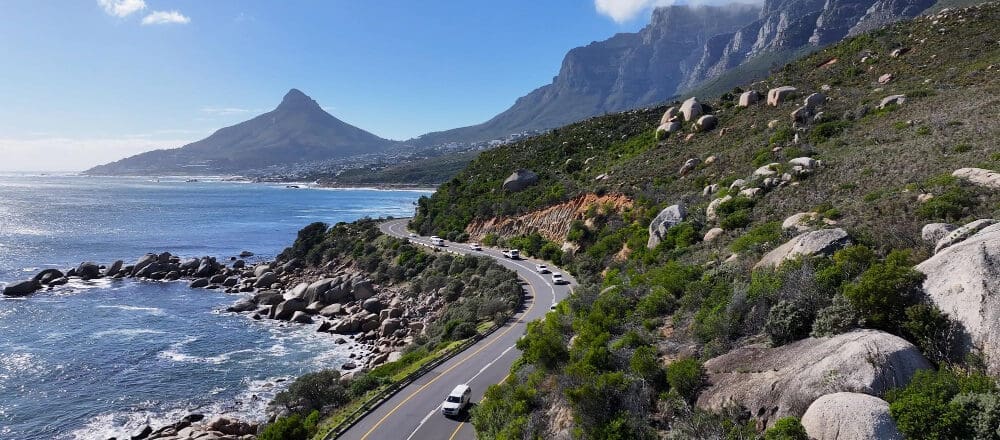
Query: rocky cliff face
[(682, 47), (552, 222)]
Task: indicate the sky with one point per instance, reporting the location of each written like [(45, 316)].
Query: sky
[(85, 82)]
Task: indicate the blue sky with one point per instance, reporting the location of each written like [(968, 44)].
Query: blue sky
[(89, 81)]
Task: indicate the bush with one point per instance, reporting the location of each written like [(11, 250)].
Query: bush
[(822, 132), (757, 236), (736, 220), (314, 391), (788, 321), (839, 317), (685, 376), (930, 329), (949, 205), (645, 365), (942, 404), (543, 343), (883, 292), (293, 427), (788, 428)]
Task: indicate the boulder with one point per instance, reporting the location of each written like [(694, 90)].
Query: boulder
[(197, 283), (520, 180), (268, 298), (144, 261), (667, 218), (363, 290), (88, 270), (331, 310), (779, 95), (885, 78), (807, 244), (712, 234), (286, 310), (963, 280), (748, 98), (850, 416), (960, 234), (265, 280), (314, 290), (301, 318), (21, 288), (710, 212), (978, 176), (261, 270), (783, 381), (669, 127), (707, 122), (230, 282), (239, 264), (799, 222), (231, 427), (688, 166), (669, 115), (114, 268), (372, 305), (751, 193), (802, 114), (934, 232), (190, 265), (206, 268), (815, 100), (892, 100), (389, 326), (243, 305), (315, 306), (46, 276), (691, 109), (804, 162), (766, 170)]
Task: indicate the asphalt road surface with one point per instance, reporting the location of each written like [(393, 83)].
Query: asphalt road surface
[(415, 411)]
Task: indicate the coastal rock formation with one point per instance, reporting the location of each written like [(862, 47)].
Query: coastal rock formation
[(850, 416), (963, 280), (979, 176), (553, 222), (663, 221), (778, 382), (821, 242), (520, 180), (21, 288)]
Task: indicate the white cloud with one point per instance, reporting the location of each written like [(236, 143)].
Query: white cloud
[(165, 17), (122, 8), (625, 10)]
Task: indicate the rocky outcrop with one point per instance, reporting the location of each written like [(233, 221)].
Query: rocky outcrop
[(978, 176), (778, 382), (21, 288), (960, 234), (892, 100), (520, 180), (778, 95), (963, 280), (552, 223), (663, 221), (194, 426), (691, 109), (934, 232), (850, 416), (821, 242), (748, 98)]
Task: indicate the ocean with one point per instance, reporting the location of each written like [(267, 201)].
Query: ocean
[(91, 360)]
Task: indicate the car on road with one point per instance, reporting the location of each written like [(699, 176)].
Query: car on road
[(413, 234), (437, 241), (541, 268), (513, 254), (475, 247), (557, 278), (457, 400)]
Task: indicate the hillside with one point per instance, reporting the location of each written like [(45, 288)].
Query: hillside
[(682, 47), (298, 130), (695, 321)]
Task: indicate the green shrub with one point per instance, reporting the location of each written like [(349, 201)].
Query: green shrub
[(885, 290), (787, 428), (949, 205), (659, 302), (543, 343), (757, 237), (504, 412), (736, 220), (293, 427), (927, 407), (645, 365), (930, 329), (313, 391), (839, 317), (788, 321), (364, 383), (685, 376), (826, 130)]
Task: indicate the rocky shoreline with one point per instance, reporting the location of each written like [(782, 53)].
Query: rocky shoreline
[(377, 321)]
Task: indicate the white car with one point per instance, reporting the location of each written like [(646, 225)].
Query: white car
[(413, 234), (456, 401), (513, 254), (437, 241), (541, 268), (475, 247), (557, 278)]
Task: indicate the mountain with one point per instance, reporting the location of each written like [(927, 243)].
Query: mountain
[(681, 47), (298, 130)]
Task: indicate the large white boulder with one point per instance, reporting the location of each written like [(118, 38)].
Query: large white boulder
[(807, 244), (967, 230), (691, 109), (519, 180), (979, 176), (850, 416), (963, 280), (748, 98), (669, 115), (892, 100), (713, 206), (666, 219), (934, 232), (783, 381), (781, 94)]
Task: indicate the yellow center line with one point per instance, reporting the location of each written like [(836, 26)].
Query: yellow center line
[(497, 338), (457, 428)]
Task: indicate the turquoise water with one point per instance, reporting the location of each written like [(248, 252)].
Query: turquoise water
[(94, 360)]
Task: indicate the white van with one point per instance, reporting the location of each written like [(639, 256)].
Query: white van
[(457, 400), (437, 241), (513, 254)]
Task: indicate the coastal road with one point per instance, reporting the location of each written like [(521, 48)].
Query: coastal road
[(415, 411)]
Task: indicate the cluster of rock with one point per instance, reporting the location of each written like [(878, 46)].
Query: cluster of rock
[(811, 376), (691, 110), (194, 426), (520, 180)]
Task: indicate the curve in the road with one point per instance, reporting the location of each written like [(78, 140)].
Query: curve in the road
[(413, 412)]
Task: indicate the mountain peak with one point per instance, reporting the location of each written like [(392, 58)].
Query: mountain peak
[(295, 99)]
